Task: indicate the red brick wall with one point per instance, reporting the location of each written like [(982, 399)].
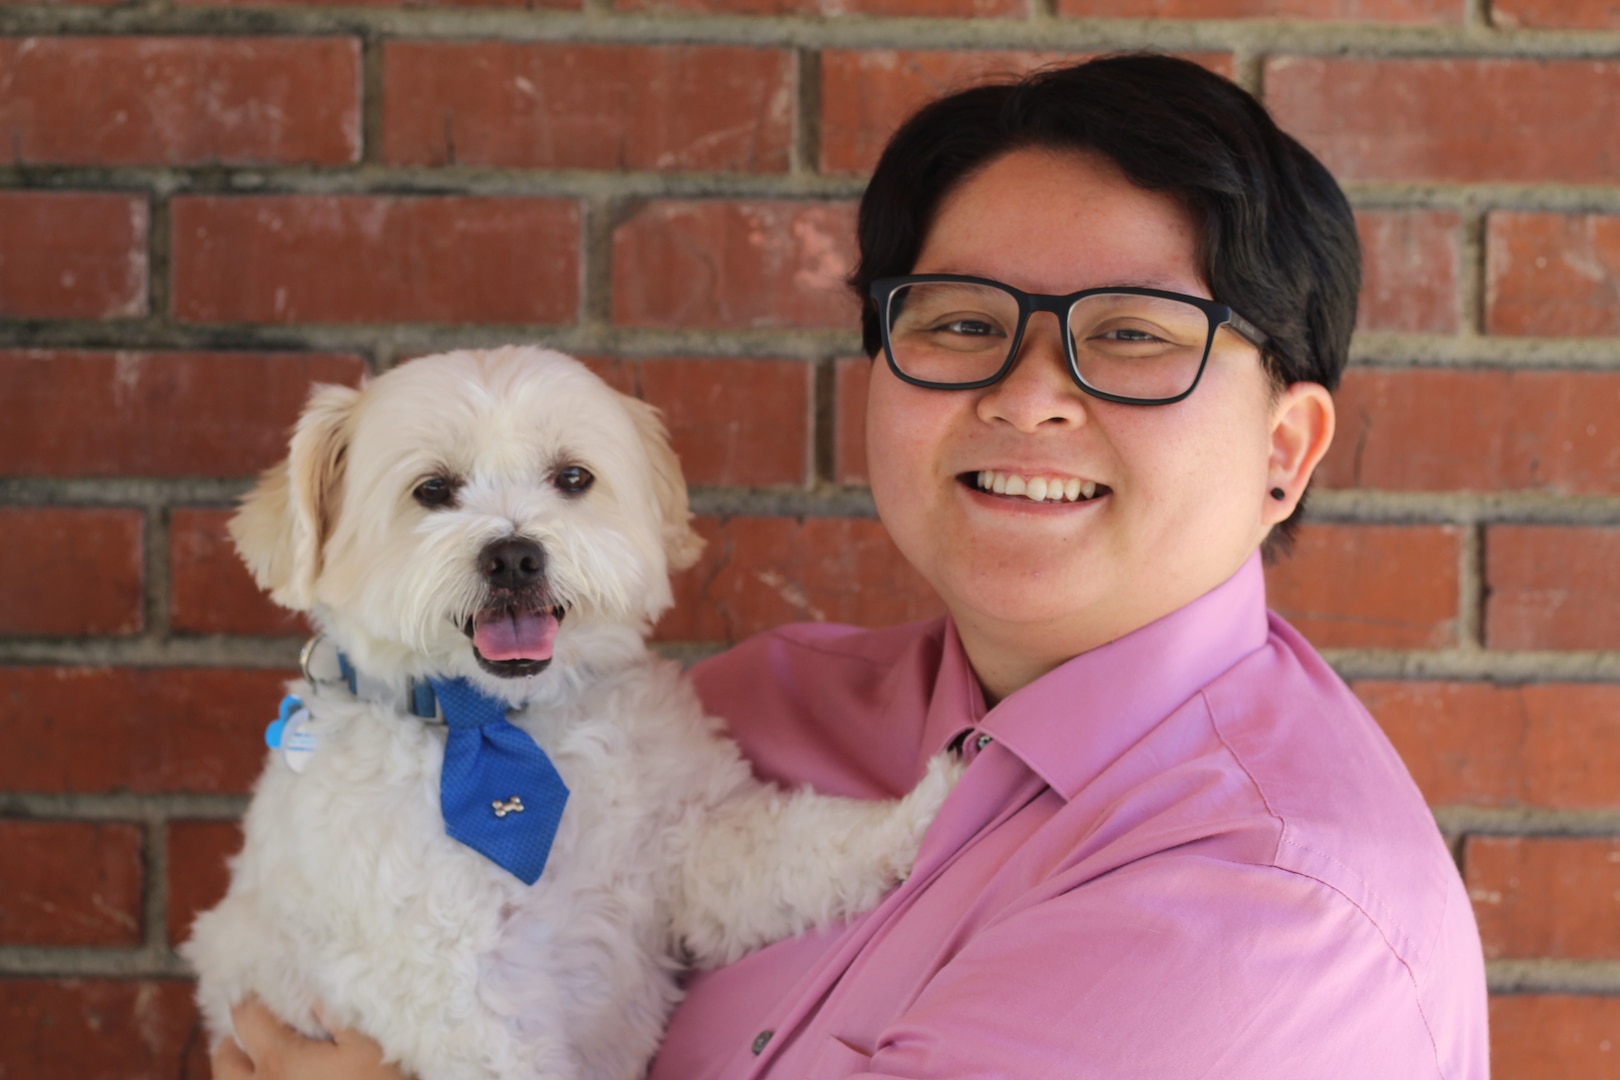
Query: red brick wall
[(206, 204)]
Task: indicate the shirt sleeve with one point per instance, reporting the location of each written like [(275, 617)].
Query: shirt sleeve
[(1174, 968)]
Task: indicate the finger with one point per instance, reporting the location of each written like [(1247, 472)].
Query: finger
[(257, 1029), (229, 1062)]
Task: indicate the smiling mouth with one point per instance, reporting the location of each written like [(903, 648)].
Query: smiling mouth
[(1041, 489), (512, 639)]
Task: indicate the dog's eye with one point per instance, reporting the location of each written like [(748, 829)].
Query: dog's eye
[(573, 480), (436, 492)]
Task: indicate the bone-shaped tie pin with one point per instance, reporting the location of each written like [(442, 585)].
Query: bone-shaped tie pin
[(514, 805)]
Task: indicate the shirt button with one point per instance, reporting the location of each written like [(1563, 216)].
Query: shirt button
[(983, 741), (761, 1041)]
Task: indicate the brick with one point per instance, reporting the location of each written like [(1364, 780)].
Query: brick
[(472, 5), (761, 264), (1555, 14), (1475, 430), (523, 105), (1430, 12), (72, 255), (734, 423), (198, 873), (867, 93), (964, 9), (1551, 746), (1552, 587), (1553, 1036), (156, 414), (1371, 586), (73, 730), (849, 436), (761, 572), (1462, 120), (100, 1029), (375, 259), (180, 101), (1552, 275), (1545, 896), (68, 571), (1410, 268), (70, 883), (211, 591)]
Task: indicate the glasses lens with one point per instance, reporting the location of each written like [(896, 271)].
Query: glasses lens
[(1144, 347), (951, 332)]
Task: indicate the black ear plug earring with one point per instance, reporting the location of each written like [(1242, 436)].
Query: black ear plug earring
[(1279, 494)]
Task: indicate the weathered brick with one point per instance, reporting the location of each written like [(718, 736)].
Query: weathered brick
[(849, 436), (70, 570), (1371, 586), (144, 730), (70, 883), (1431, 12), (179, 100), (1409, 271), (570, 5), (100, 1029), (867, 93), (760, 572), (734, 423), (1439, 429), (1553, 1036), (211, 591), (1556, 14), (198, 874), (1546, 745), (751, 264), (155, 414), (375, 259), (1552, 275), (523, 105), (72, 255), (1552, 587), (1545, 896), (834, 8), (1459, 120)]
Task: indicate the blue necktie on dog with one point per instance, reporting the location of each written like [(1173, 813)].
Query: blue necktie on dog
[(500, 794)]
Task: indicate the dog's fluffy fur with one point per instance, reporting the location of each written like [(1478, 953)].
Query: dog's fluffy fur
[(349, 896)]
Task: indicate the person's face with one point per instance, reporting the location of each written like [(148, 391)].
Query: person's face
[(1181, 496)]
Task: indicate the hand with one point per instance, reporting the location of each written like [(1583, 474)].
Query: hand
[(270, 1050)]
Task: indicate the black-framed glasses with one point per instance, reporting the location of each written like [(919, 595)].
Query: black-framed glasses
[(1133, 345)]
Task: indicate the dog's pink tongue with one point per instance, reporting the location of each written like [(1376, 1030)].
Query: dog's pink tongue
[(514, 635)]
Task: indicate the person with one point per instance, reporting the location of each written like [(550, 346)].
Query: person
[(1107, 306)]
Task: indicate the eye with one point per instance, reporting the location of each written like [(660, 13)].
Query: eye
[(573, 479), (436, 492)]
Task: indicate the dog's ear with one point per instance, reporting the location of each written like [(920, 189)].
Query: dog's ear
[(284, 522), (682, 544)]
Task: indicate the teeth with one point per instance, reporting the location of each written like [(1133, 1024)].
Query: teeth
[(1037, 488)]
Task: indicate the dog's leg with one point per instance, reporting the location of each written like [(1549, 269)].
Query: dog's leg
[(767, 863)]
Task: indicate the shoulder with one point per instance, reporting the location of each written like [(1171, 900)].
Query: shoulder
[(837, 707)]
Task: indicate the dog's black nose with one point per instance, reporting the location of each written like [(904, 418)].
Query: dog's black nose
[(512, 563)]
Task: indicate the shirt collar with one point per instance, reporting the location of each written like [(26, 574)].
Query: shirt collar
[(1074, 721)]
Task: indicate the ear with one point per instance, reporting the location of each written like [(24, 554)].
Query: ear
[(681, 544), (1302, 424), (283, 524)]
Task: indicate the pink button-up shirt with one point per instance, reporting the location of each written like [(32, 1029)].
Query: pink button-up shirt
[(1189, 853)]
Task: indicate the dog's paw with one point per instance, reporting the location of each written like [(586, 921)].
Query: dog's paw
[(919, 808)]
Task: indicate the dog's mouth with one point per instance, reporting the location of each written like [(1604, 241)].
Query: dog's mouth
[(513, 638)]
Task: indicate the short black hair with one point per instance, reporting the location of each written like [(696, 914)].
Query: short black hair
[(1278, 239)]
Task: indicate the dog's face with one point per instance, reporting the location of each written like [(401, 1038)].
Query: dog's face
[(458, 514)]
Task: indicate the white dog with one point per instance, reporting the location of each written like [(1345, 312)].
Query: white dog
[(500, 526)]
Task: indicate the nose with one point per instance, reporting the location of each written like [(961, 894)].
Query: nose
[(1038, 391), (512, 563)]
